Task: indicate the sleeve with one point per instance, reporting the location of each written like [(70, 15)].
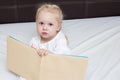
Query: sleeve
[(32, 43), (62, 47)]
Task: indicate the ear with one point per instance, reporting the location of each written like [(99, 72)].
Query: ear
[(59, 27)]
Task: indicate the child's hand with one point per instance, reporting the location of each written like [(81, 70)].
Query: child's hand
[(33, 46), (42, 52)]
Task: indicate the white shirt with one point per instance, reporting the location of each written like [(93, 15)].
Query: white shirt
[(58, 45)]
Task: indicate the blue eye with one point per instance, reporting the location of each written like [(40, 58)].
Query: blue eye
[(41, 23), (50, 24)]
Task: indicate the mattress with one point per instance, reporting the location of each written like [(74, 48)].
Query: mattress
[(96, 38)]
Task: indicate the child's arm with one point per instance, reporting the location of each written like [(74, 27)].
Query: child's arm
[(62, 47)]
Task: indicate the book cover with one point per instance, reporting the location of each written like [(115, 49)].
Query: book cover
[(24, 61)]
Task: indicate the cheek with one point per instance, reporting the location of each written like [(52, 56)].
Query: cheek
[(54, 31), (38, 29)]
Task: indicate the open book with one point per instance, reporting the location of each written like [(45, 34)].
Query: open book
[(24, 61)]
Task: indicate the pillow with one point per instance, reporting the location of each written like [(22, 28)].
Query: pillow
[(4, 73), (22, 31), (25, 32), (3, 43)]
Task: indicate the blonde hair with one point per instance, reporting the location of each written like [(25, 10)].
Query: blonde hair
[(51, 8)]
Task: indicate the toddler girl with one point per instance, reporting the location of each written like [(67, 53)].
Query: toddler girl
[(50, 38)]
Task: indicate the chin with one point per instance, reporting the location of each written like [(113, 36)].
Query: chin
[(45, 37)]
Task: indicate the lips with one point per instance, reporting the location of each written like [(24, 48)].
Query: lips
[(44, 33)]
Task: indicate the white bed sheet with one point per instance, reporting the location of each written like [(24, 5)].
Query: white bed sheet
[(97, 38)]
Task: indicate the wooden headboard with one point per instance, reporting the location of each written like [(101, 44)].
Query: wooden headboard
[(13, 11)]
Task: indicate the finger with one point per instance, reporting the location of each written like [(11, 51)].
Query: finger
[(41, 52), (45, 53), (33, 46)]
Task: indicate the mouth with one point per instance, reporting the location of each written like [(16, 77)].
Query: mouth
[(44, 33)]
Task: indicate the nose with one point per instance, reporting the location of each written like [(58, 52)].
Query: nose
[(44, 27)]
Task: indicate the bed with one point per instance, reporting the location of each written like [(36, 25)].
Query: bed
[(93, 33)]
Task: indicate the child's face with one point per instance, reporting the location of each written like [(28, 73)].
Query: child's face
[(47, 25)]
